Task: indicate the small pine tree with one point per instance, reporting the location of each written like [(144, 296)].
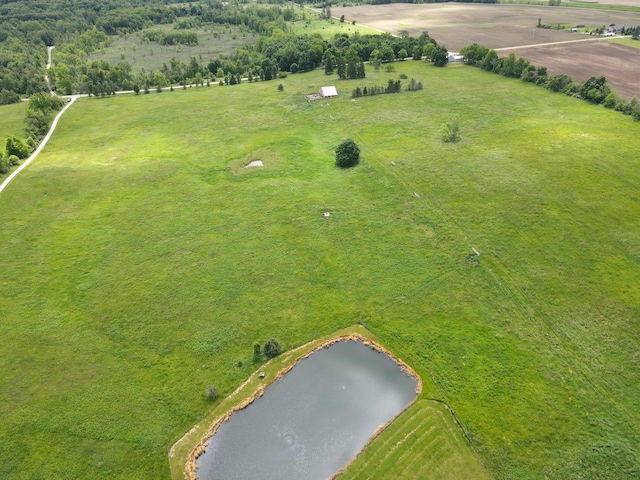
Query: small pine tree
[(257, 352), (451, 131), (212, 392)]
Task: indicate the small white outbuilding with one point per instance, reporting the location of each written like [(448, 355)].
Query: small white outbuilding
[(328, 92)]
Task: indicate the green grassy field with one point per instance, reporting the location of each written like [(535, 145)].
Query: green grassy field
[(422, 443), (627, 41), (314, 24), (12, 121), (141, 261), (143, 54)]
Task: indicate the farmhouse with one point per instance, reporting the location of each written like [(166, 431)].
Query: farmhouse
[(326, 92)]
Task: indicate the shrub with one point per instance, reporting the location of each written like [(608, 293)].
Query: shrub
[(15, 146), (13, 160), (257, 352), (347, 155), (272, 348), (280, 87), (451, 131), (212, 392), (611, 100), (8, 96), (5, 164)]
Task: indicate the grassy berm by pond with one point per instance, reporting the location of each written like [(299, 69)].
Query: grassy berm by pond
[(141, 261)]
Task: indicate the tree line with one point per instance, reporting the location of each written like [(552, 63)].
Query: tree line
[(594, 90), (272, 54), (393, 86)]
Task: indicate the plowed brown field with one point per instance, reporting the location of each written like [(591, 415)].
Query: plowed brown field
[(510, 26), (618, 63)]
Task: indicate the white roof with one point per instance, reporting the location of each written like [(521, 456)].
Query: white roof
[(328, 91)]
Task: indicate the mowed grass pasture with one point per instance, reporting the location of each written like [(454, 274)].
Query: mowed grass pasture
[(142, 261)]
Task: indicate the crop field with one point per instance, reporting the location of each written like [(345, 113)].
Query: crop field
[(494, 26), (142, 260), (620, 64), (505, 27), (604, 3), (144, 54)]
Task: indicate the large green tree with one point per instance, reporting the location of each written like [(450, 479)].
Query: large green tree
[(440, 56), (347, 154)]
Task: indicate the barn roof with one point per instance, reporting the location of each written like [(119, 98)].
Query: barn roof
[(328, 91)]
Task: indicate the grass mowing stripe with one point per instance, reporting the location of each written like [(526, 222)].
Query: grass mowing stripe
[(415, 443)]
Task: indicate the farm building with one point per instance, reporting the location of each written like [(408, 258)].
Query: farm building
[(455, 57), (328, 92)]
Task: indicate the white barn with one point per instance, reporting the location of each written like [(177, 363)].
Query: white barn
[(328, 92)]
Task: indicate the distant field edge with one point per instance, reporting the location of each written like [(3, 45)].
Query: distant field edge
[(184, 452)]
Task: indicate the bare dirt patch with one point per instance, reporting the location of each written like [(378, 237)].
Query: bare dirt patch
[(494, 26), (620, 64), (624, 3)]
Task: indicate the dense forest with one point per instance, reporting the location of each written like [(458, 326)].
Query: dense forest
[(28, 26)]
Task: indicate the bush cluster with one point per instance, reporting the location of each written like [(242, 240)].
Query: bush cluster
[(272, 348)]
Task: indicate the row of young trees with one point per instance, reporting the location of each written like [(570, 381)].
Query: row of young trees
[(594, 90), (392, 87)]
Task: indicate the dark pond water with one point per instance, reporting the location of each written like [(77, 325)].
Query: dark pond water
[(313, 421)]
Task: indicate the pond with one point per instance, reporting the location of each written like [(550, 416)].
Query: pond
[(312, 422)]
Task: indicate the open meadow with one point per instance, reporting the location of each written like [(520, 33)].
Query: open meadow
[(142, 260), (12, 121), (142, 53)]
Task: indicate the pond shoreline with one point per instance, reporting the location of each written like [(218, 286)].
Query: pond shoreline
[(190, 472)]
